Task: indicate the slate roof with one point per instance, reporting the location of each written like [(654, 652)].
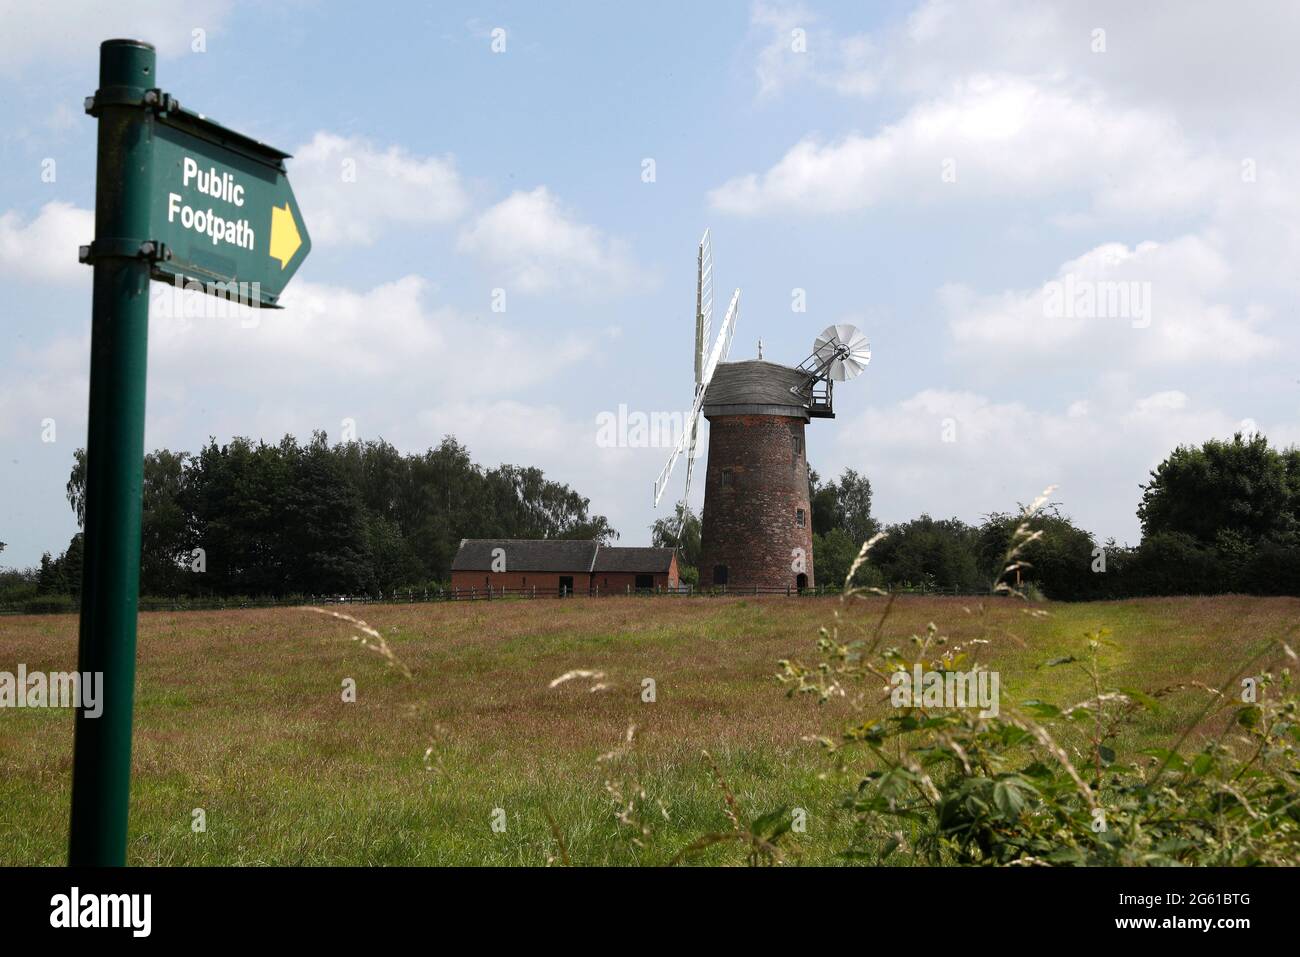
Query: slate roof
[(526, 554), (754, 383), (643, 560)]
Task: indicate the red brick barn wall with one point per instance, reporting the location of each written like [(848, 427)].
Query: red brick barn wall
[(750, 525), (544, 582), (620, 582)]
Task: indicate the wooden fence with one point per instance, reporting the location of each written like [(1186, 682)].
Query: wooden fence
[(62, 605)]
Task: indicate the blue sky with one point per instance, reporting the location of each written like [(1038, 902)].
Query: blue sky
[(926, 170)]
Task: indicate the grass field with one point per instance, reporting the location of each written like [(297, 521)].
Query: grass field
[(241, 713)]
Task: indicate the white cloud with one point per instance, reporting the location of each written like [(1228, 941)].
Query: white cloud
[(377, 345), (847, 64), (536, 245), (354, 189), (778, 63), (53, 384), (64, 30), (993, 136), (1198, 59), (1154, 303), (45, 247), (1003, 453)]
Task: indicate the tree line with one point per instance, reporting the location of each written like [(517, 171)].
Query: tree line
[(255, 519), (250, 518), (1216, 518)]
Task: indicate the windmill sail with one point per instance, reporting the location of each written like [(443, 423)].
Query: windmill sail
[(721, 346), (703, 304)]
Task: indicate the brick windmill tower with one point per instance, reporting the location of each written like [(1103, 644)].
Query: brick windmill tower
[(757, 522)]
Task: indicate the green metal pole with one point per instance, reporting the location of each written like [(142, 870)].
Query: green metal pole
[(101, 766)]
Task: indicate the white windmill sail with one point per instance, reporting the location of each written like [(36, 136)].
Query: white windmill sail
[(703, 304), (721, 346)]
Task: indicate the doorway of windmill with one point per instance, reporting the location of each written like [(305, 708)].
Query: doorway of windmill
[(801, 581), (719, 574)]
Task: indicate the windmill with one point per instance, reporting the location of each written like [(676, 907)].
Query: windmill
[(756, 525), (707, 357)]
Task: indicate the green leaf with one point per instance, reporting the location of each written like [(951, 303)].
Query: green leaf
[(771, 825), (891, 845), (1066, 855), (1248, 717), (1007, 797), (1042, 709), (1142, 698)]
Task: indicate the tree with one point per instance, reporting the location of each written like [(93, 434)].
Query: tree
[(50, 580), (929, 552), (71, 561), (833, 556), (1242, 487), (1059, 562), (826, 514), (313, 518), (844, 504), (854, 498), (664, 534), (76, 487), (164, 523)]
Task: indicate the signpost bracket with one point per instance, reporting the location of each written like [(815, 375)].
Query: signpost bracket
[(113, 248), (152, 99)]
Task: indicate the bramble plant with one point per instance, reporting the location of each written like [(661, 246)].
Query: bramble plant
[(950, 786)]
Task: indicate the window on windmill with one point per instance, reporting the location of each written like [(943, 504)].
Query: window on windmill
[(726, 477), (798, 517), (798, 446)]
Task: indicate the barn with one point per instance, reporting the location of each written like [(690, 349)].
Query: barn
[(561, 567)]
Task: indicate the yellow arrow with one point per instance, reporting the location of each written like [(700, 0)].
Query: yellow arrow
[(284, 235)]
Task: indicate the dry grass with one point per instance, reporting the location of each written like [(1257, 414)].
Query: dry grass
[(240, 712)]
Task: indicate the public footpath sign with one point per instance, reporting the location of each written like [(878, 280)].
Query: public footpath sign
[(223, 210), (181, 199)]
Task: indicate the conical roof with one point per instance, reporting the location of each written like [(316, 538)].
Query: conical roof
[(755, 387)]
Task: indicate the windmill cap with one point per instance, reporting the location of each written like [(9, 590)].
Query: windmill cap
[(755, 387)]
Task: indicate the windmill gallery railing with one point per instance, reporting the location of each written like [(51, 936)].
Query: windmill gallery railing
[(52, 605)]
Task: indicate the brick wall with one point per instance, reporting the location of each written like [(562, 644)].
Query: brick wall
[(619, 582), (750, 524), (544, 582)]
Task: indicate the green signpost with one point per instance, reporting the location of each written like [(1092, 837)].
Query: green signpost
[(223, 210), (180, 199)]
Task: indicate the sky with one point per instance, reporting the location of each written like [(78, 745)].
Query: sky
[(1069, 231)]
